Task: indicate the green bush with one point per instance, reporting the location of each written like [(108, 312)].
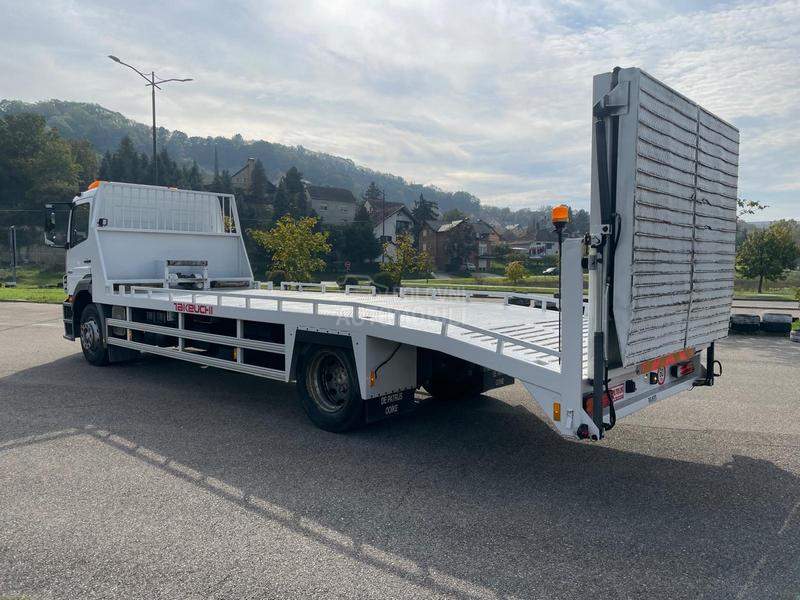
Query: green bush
[(276, 277), (347, 280), (383, 281), (516, 272)]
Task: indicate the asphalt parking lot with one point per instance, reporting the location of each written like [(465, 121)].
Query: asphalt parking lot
[(161, 479)]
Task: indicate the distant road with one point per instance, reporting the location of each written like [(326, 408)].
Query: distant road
[(762, 306)]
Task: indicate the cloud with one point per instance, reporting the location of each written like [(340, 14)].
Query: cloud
[(492, 97)]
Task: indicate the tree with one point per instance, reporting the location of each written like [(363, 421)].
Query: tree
[(516, 272), (282, 205), (85, 156), (104, 172), (168, 172), (36, 166), (296, 190), (424, 210), (502, 251), (125, 164), (453, 214), (358, 242), (373, 193), (295, 247), (259, 182), (290, 197), (222, 183), (192, 178), (461, 244), (794, 228), (406, 259), (578, 221), (748, 207), (767, 253)]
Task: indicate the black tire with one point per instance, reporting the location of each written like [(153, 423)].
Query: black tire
[(454, 379), (329, 391), (93, 343)]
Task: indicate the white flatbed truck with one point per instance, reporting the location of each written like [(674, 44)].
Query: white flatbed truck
[(165, 271)]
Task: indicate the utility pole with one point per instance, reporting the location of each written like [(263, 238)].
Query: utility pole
[(153, 82)]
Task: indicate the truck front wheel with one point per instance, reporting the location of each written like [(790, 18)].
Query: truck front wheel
[(329, 390), (93, 345)]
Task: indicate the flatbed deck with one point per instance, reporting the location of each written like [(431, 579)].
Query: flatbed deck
[(525, 334)]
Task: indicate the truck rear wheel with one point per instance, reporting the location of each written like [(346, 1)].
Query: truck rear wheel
[(453, 379), (93, 344), (329, 391)]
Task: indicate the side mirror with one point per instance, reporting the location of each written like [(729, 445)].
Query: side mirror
[(52, 237), (50, 229)]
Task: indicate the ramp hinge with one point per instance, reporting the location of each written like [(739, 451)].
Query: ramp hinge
[(614, 103)]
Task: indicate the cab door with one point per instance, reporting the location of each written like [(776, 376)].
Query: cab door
[(79, 249)]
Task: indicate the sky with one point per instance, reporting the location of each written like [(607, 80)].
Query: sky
[(492, 97)]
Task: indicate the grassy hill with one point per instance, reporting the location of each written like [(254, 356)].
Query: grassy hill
[(105, 128)]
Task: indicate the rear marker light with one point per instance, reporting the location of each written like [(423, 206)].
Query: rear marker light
[(556, 411)]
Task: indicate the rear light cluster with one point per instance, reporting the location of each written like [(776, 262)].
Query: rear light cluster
[(617, 393)]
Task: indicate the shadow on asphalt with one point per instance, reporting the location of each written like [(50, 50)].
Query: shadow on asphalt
[(476, 498), (768, 347)]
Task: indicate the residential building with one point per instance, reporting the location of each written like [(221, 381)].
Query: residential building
[(243, 178), (427, 239), (377, 205), (390, 222), (488, 238), (333, 206), (534, 248), (436, 236)]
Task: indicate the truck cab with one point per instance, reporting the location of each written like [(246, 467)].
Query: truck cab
[(67, 225)]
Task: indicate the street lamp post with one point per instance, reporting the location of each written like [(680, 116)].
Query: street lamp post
[(383, 224), (153, 83)]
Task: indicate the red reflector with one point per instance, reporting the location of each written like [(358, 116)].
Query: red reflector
[(682, 370), (617, 393)]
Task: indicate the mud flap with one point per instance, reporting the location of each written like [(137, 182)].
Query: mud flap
[(389, 405)]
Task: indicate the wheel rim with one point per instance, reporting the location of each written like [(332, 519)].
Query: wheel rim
[(330, 382), (90, 334)]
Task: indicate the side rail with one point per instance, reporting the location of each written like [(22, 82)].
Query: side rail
[(303, 286), (545, 302), (358, 312), (131, 334), (370, 289)]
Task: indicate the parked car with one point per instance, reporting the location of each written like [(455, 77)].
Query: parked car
[(551, 271), (469, 266)]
